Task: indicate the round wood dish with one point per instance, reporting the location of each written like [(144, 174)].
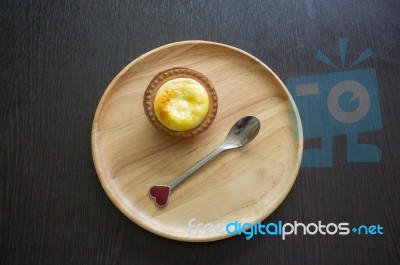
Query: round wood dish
[(244, 185)]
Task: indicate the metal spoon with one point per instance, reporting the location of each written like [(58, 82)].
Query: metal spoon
[(242, 132)]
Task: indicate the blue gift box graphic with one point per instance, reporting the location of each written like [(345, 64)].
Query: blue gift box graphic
[(338, 103)]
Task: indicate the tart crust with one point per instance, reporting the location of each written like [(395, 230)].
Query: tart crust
[(173, 73)]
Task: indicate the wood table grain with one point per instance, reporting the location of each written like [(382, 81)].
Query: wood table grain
[(58, 57)]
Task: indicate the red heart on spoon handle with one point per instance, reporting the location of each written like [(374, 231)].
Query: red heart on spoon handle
[(160, 194)]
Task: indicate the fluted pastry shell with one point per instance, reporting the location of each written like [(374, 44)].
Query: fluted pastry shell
[(174, 73)]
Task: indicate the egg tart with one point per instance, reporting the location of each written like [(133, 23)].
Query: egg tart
[(180, 102)]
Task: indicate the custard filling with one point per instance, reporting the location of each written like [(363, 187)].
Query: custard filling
[(181, 104)]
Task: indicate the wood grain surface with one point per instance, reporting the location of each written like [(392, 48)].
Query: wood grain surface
[(244, 185), (57, 57)]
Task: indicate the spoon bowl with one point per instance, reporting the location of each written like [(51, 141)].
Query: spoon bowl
[(242, 132)]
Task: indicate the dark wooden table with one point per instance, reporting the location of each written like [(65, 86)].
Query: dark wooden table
[(57, 58)]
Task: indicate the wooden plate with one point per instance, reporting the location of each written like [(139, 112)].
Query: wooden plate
[(244, 185)]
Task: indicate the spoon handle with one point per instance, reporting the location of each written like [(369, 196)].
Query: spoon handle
[(195, 167)]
